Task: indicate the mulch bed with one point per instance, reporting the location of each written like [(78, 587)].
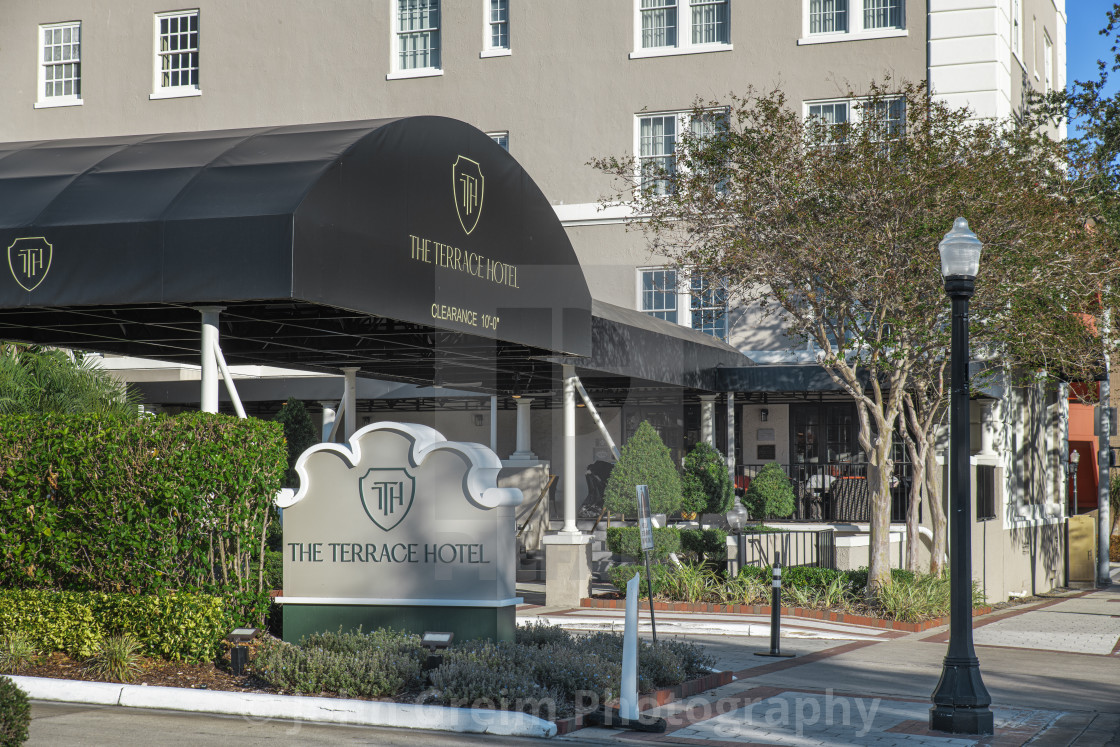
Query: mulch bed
[(155, 672)]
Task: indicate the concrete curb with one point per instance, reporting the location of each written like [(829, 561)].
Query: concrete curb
[(290, 707), (708, 627)]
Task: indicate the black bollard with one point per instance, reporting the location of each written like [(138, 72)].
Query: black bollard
[(775, 612)]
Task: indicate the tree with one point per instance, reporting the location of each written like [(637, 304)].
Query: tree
[(37, 380), (300, 434), (770, 494), (705, 484), (643, 460), (833, 228)]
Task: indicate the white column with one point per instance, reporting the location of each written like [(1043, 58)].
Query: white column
[(209, 361), (987, 427), (524, 426), (569, 479), (328, 419), (493, 424), (708, 418), (731, 435), (350, 406)]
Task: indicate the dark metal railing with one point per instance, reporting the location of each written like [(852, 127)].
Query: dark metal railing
[(815, 548), (833, 491)]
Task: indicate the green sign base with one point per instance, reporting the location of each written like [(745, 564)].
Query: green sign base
[(495, 623)]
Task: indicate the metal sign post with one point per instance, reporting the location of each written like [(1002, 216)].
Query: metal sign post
[(645, 529)]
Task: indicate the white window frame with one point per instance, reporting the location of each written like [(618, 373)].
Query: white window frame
[(1017, 31), (855, 112), (75, 99), (501, 138), (682, 298), (684, 43), (159, 91), (855, 30), (1047, 62), (683, 124), (396, 71), (488, 23)]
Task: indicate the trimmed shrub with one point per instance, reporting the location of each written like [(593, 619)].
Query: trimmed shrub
[(627, 541), (148, 505), (181, 626), (539, 634), (706, 486), (620, 575), (364, 665), (15, 714), (644, 460), (704, 544), (481, 674), (770, 493)]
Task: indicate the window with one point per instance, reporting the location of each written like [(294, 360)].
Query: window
[(657, 142), (985, 492), (60, 69), (664, 292), (1047, 63), (176, 54), (1017, 28), (828, 16), (417, 46), (890, 116), (882, 14), (681, 27), (709, 306), (659, 293), (497, 28), (841, 20), (501, 138)]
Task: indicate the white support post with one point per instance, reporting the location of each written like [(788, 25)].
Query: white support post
[(731, 435), (987, 427), (328, 419), (493, 423), (227, 377), (350, 401), (569, 374), (708, 419), (598, 420), (524, 431), (209, 398), (1104, 520), (339, 418)]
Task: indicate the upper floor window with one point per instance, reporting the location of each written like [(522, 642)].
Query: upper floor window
[(417, 27), (501, 138), (497, 28), (1047, 63), (681, 26), (839, 20), (889, 116), (657, 147), (176, 54), (60, 69), (686, 298), (1017, 27)]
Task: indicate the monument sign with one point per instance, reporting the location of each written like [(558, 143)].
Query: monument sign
[(400, 528)]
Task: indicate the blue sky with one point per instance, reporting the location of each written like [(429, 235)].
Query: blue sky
[(1084, 46)]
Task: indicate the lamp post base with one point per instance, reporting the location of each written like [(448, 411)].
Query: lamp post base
[(961, 720)]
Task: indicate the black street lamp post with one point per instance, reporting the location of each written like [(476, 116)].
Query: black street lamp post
[(961, 703)]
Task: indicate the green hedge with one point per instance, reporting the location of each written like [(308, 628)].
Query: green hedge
[(179, 626), (627, 541), (147, 505), (705, 543), (620, 575), (15, 714)]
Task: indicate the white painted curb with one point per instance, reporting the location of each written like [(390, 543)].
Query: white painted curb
[(290, 707)]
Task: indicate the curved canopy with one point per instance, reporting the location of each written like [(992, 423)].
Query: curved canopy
[(329, 245)]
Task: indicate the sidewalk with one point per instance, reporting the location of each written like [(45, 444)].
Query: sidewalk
[(1052, 668)]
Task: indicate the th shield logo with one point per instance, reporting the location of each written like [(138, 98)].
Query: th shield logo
[(467, 181), (387, 495), (29, 260)]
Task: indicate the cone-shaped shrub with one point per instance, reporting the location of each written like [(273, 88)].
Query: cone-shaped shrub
[(644, 460), (705, 484), (770, 493)]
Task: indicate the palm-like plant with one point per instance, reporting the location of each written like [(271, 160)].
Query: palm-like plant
[(36, 380)]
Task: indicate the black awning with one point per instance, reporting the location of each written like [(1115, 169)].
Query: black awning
[(386, 244)]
